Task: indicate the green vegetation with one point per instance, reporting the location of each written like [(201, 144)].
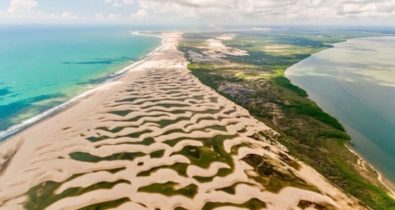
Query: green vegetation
[(43, 195), (97, 139), (257, 82), (274, 178), (232, 189), (212, 151), (253, 204), (306, 204), (106, 205), (115, 130), (170, 189), (180, 168), (283, 82), (164, 123), (157, 154), (201, 156), (86, 157), (121, 113), (221, 173)]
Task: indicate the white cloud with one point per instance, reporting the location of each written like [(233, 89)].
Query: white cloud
[(119, 3), (68, 16), (114, 17), (261, 10), (141, 13), (21, 6), (108, 17), (28, 10), (216, 11)]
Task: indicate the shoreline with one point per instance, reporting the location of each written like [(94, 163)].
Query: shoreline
[(50, 151), (381, 178), (388, 184), (15, 129)]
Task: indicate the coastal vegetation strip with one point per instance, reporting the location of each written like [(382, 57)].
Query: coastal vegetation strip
[(104, 160), (256, 81)]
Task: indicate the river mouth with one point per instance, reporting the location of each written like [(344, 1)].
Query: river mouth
[(355, 82)]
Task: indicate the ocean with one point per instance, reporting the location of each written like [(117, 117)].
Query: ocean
[(42, 67), (355, 82)]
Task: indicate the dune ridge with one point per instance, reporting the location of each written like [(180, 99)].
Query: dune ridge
[(157, 139)]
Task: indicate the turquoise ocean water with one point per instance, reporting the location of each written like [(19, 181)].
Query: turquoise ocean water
[(355, 82), (44, 66)]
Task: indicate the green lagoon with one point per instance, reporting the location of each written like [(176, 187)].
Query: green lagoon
[(355, 82)]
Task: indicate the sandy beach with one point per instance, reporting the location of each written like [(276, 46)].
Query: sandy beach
[(364, 165), (156, 138)]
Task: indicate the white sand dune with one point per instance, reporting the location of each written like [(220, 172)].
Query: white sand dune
[(217, 49), (156, 139)]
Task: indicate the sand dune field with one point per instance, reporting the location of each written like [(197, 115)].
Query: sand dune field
[(157, 139)]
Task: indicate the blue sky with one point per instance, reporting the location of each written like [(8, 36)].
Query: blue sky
[(199, 11)]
